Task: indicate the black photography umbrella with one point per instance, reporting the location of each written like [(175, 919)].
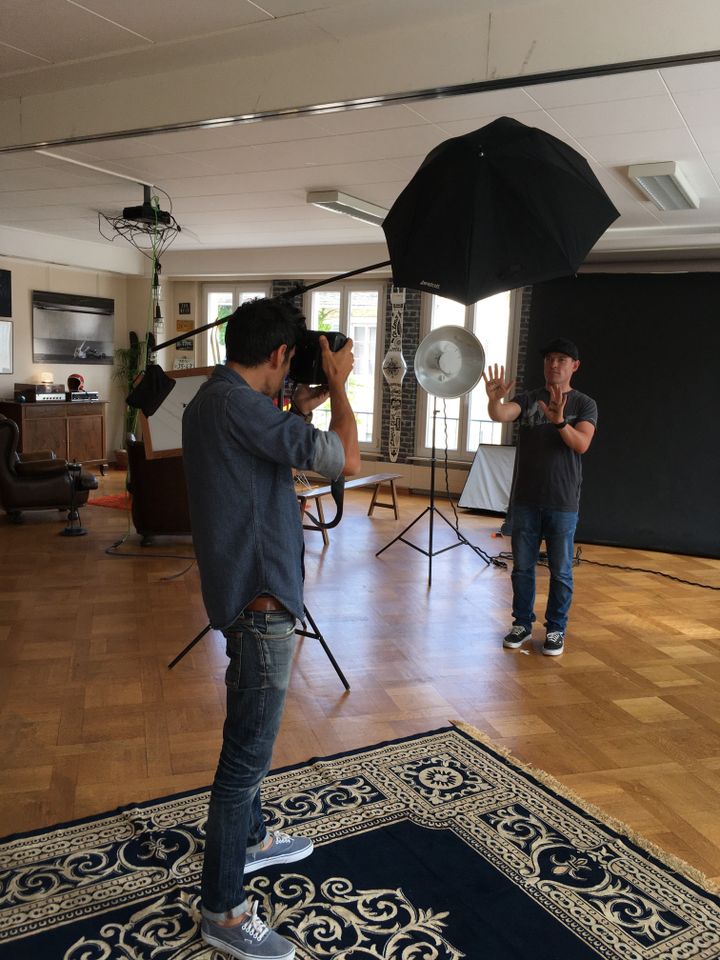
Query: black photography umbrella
[(499, 208)]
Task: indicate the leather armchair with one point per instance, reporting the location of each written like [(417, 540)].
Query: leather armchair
[(38, 480), (159, 494)]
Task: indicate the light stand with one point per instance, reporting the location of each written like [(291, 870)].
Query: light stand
[(315, 635), (74, 527), (448, 363), (432, 510)]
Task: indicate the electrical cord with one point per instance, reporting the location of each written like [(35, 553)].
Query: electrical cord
[(112, 551), (579, 559), (495, 561)]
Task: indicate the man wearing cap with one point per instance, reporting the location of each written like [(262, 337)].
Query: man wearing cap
[(557, 425)]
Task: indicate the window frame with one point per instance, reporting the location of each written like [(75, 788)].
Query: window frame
[(346, 288), (234, 287), (423, 408)]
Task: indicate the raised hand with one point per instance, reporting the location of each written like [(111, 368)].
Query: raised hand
[(495, 385), (555, 410)]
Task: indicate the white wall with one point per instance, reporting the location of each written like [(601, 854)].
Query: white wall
[(28, 276)]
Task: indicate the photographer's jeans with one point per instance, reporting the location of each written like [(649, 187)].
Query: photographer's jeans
[(530, 526), (260, 647)]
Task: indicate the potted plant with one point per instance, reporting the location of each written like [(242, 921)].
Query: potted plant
[(129, 362)]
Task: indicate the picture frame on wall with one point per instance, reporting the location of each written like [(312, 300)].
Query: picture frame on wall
[(5, 293), (6, 346)]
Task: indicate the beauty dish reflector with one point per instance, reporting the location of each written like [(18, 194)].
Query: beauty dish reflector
[(449, 362)]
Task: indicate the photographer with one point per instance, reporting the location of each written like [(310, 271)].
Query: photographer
[(239, 449)]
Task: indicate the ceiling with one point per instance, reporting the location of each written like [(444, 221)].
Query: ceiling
[(244, 185)]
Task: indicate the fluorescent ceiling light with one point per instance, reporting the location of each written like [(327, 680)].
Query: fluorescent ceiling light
[(351, 206), (664, 184)]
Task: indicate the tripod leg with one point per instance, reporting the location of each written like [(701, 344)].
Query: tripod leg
[(318, 636), (189, 647), (402, 532)]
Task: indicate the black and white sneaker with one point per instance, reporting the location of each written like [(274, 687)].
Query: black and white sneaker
[(250, 940), (517, 637), (554, 643)]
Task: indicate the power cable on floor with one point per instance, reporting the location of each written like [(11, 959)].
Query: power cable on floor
[(578, 559)]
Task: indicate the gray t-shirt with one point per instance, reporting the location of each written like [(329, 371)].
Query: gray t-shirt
[(238, 451), (547, 472)]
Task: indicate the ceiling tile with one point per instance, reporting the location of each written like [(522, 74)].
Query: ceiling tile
[(621, 86), (68, 31), (187, 19), (618, 117), (697, 76)]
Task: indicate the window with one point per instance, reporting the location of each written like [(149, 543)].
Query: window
[(220, 301), (354, 309), (463, 423)]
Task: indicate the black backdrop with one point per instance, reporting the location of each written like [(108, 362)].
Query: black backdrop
[(649, 348)]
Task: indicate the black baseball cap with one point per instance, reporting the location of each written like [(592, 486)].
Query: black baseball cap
[(561, 345)]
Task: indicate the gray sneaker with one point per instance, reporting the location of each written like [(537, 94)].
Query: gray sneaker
[(282, 849), (516, 637), (250, 940), (554, 643)]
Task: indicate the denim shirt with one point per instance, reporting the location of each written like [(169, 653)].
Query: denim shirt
[(238, 451)]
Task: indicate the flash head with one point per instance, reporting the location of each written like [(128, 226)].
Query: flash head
[(306, 365)]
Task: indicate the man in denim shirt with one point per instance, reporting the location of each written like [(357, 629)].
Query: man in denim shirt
[(557, 425), (239, 449)]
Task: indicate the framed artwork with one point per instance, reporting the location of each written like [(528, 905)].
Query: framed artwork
[(5, 294), (6, 346), (72, 329)]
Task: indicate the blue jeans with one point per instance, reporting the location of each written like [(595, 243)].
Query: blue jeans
[(260, 647), (530, 525)]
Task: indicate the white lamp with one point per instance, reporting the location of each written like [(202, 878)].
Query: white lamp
[(664, 184), (46, 377), (353, 207)]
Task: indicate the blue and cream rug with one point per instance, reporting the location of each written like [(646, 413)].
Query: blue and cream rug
[(435, 847)]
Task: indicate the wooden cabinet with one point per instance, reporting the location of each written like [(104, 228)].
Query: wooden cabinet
[(75, 431)]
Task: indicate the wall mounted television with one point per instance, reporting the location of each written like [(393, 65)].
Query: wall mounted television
[(73, 329)]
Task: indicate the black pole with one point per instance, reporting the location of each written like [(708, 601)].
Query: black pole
[(294, 292)]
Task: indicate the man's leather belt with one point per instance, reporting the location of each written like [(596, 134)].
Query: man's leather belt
[(263, 603)]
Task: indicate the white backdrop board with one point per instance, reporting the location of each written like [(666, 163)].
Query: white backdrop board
[(162, 432), (490, 479)]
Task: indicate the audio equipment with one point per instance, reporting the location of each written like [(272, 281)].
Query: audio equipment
[(39, 392), (73, 395)]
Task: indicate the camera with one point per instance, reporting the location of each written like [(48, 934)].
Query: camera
[(306, 365)]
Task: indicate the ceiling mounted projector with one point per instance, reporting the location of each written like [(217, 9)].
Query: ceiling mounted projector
[(148, 214), (449, 362)]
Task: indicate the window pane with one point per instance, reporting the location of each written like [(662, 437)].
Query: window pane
[(219, 304), (362, 329), (447, 313), (491, 327), (444, 313), (354, 313), (325, 314), (447, 424)]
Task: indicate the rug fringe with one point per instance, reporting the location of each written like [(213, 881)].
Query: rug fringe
[(668, 859)]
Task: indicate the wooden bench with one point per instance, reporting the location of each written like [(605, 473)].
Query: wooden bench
[(376, 481)]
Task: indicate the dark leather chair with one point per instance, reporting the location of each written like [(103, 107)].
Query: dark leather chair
[(159, 494), (37, 481)]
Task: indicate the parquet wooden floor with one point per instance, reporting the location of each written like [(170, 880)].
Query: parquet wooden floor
[(91, 718)]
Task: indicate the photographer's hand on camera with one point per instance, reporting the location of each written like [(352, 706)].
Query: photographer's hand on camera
[(338, 367), (305, 399)]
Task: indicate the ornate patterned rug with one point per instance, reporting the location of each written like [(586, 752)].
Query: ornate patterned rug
[(435, 847)]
